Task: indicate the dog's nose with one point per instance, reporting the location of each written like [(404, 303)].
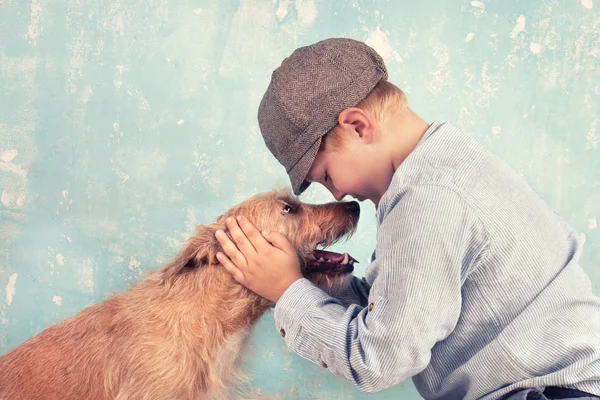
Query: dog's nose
[(353, 207)]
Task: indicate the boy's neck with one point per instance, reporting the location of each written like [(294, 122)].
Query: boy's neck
[(405, 131)]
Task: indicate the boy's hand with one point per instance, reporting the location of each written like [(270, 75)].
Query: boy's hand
[(265, 263)]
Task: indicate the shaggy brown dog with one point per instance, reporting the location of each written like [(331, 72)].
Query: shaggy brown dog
[(180, 333)]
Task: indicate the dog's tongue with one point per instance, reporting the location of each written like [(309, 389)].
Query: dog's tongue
[(333, 256), (331, 263)]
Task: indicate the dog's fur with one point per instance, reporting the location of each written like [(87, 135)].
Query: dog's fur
[(178, 334)]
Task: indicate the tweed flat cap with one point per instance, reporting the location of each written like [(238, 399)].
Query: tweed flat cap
[(306, 95)]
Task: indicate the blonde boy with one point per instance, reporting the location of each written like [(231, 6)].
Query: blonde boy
[(474, 289)]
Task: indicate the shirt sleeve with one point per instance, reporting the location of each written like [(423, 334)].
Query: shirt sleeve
[(426, 245)]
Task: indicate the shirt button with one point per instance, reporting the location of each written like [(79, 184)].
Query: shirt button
[(371, 307), (282, 332), (323, 364)]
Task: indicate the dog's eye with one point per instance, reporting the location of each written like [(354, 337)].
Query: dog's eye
[(287, 209)]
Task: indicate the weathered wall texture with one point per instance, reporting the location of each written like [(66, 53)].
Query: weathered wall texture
[(123, 124)]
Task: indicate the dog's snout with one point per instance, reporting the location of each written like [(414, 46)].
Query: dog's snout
[(353, 207)]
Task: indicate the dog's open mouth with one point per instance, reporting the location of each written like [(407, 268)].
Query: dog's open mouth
[(330, 263)]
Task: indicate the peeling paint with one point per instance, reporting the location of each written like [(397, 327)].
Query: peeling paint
[(11, 289), (379, 41), (136, 121), (33, 30), (519, 27)]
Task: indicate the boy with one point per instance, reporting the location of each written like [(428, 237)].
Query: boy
[(474, 289)]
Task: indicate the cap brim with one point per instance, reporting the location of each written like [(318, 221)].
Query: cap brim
[(299, 172)]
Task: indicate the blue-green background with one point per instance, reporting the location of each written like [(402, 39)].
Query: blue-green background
[(123, 124)]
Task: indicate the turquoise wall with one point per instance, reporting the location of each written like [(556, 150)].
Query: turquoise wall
[(123, 124)]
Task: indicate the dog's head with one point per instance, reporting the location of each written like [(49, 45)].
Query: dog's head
[(310, 229)]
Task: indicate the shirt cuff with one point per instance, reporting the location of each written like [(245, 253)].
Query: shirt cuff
[(293, 305)]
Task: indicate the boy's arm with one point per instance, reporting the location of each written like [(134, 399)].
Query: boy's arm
[(426, 246)]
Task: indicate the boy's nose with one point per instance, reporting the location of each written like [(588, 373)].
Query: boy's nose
[(337, 194)]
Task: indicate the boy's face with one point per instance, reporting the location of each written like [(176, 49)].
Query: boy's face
[(357, 169)]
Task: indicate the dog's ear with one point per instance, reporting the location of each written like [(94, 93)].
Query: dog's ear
[(200, 249)]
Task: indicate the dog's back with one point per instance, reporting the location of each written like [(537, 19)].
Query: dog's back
[(65, 353), (156, 341)]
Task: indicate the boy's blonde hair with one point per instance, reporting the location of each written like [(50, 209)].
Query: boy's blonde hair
[(379, 103)]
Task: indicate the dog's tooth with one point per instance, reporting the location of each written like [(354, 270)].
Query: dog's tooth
[(345, 260)]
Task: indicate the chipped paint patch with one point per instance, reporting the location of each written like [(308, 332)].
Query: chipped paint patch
[(380, 42), (519, 27), (478, 4), (307, 12), (589, 4), (57, 300), (496, 130), (86, 275), (11, 289), (282, 9), (592, 223), (198, 11), (60, 259), (592, 139), (9, 155), (469, 37), (535, 48), (134, 264), (12, 167), (441, 78), (33, 30)]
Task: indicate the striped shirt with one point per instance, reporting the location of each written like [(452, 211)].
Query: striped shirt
[(474, 290)]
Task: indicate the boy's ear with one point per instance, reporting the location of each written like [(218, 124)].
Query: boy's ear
[(355, 121)]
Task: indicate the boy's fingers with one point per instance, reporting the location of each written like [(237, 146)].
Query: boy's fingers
[(279, 241), (253, 235), (230, 249), (237, 274), (240, 238)]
